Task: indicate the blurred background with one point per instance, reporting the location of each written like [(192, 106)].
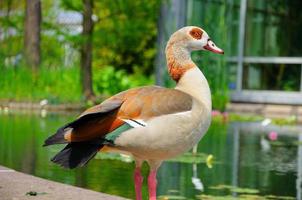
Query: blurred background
[(72, 51), (71, 54)]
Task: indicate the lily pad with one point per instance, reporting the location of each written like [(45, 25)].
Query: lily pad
[(279, 197), (245, 190), (191, 158), (210, 197), (243, 197), (114, 156), (235, 189), (171, 197)]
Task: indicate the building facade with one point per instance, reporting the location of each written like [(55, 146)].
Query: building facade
[(262, 41)]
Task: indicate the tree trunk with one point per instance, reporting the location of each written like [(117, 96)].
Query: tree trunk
[(32, 33), (86, 50)]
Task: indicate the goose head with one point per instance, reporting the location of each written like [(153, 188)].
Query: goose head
[(193, 38), (180, 46)]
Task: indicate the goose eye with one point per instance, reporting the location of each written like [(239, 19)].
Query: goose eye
[(196, 33)]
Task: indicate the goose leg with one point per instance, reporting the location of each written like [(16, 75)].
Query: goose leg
[(152, 182), (138, 180)]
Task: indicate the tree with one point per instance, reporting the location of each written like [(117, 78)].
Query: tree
[(32, 33), (86, 50), (124, 35)]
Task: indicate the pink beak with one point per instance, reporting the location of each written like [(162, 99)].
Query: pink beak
[(210, 46)]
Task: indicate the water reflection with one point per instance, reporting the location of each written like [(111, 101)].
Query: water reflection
[(246, 162)]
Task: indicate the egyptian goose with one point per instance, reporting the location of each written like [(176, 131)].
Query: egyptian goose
[(150, 123)]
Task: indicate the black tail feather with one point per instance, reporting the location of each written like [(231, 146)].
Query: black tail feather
[(57, 138), (77, 154)]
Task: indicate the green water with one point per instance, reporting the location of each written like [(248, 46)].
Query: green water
[(247, 165)]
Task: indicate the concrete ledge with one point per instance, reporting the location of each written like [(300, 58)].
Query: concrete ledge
[(38, 106), (16, 186), (268, 97), (267, 110)]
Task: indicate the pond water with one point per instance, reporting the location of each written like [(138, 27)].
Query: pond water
[(247, 164)]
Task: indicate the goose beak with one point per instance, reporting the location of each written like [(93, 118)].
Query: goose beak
[(210, 46)]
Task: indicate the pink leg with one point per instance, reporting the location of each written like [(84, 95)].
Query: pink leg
[(138, 180), (152, 184)]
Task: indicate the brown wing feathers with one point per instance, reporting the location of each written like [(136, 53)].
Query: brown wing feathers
[(140, 103), (88, 120), (86, 134), (152, 101)]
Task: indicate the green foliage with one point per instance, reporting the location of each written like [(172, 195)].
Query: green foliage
[(75, 5), (123, 50), (11, 45), (108, 81), (213, 65), (220, 98), (125, 34)]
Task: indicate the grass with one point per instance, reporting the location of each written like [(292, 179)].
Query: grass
[(57, 85), (62, 84)]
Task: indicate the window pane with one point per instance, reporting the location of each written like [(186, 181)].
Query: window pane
[(233, 29), (271, 77), (220, 19), (273, 28), (232, 75)]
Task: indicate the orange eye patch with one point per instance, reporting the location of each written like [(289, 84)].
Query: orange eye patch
[(196, 33)]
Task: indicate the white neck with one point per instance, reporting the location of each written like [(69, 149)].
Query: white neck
[(193, 82)]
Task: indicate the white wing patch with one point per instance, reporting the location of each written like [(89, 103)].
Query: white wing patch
[(141, 123), (182, 113), (135, 122)]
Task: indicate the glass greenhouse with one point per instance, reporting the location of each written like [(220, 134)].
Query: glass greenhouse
[(262, 43)]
